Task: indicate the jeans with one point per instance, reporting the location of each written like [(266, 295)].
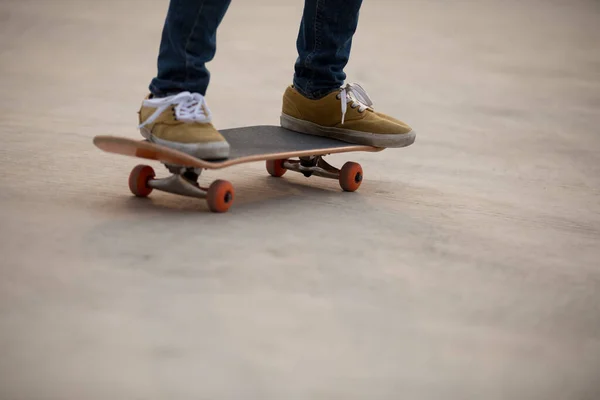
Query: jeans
[(189, 42)]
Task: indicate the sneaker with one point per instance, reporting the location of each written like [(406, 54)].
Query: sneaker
[(182, 122), (346, 114)]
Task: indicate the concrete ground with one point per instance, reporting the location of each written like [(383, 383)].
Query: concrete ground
[(467, 266)]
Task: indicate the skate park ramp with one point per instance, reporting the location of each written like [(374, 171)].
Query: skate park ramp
[(467, 266)]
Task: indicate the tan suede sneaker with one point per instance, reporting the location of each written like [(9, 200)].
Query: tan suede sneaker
[(345, 115), (182, 122)]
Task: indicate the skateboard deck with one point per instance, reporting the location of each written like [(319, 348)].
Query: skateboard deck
[(273, 144), (253, 143)]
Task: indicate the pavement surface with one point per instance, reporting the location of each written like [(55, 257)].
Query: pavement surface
[(467, 266)]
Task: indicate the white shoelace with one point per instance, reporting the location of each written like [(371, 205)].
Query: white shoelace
[(189, 107), (355, 94)]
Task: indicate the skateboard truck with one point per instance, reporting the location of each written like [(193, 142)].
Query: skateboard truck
[(349, 176), (183, 181), (178, 184), (312, 166)]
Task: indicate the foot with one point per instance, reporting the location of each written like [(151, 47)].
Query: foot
[(346, 115), (182, 122)]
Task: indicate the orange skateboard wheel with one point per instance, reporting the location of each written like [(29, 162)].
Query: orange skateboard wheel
[(220, 196), (275, 168), (351, 176), (138, 180)]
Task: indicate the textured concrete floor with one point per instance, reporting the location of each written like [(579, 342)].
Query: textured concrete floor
[(466, 267)]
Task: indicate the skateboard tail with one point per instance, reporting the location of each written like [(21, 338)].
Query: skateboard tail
[(128, 147)]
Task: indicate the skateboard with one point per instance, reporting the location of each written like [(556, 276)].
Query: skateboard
[(281, 149)]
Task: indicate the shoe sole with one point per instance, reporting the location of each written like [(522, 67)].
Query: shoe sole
[(348, 135), (204, 151)]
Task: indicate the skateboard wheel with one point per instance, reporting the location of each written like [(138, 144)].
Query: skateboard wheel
[(138, 180), (275, 168), (351, 176), (220, 196)]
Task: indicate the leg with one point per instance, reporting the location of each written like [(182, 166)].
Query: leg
[(316, 104), (323, 44), (188, 43), (176, 114)]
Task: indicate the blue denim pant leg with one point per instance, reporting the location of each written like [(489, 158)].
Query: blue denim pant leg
[(188, 42), (324, 42)]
